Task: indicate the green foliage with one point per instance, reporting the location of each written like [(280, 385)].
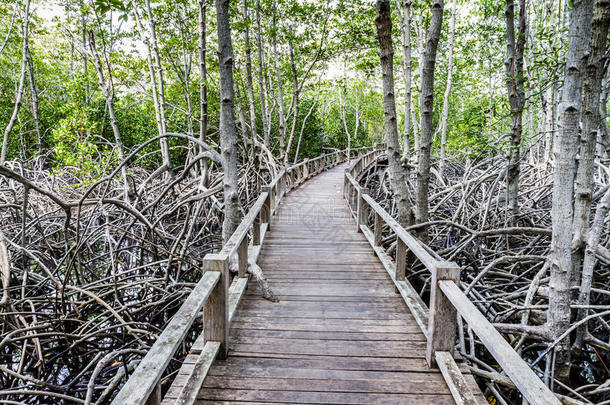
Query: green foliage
[(75, 145)]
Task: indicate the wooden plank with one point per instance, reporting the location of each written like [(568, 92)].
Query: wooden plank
[(191, 387), (235, 293), (528, 383), (442, 317), (143, 381), (455, 380), (216, 307), (313, 397)]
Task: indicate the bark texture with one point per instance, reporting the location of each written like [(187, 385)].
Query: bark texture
[(398, 174), (515, 77), (427, 111), (563, 184), (228, 135)]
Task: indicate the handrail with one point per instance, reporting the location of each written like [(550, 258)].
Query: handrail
[(439, 322), (213, 293)]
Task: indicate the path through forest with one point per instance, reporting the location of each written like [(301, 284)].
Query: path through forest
[(340, 333)]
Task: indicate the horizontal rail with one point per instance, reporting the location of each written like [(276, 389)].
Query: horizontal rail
[(213, 293), (529, 384), (439, 321), (143, 381)]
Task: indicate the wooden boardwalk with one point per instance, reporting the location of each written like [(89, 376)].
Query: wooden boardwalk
[(340, 333)]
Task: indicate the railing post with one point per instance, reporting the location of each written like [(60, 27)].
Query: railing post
[(216, 307), (361, 213), (266, 210), (256, 230), (306, 169), (442, 319), (155, 396), (377, 229), (242, 257), (401, 259)]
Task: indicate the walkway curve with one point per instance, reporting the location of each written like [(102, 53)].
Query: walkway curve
[(340, 333)]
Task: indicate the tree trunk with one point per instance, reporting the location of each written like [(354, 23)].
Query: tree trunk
[(280, 87), (249, 74), (228, 136), (203, 85), (563, 182), (19, 95), (35, 107), (405, 28), (398, 174), (427, 110), (108, 92), (591, 124), (516, 97), (295, 101), (160, 84), (445, 114), (261, 77)]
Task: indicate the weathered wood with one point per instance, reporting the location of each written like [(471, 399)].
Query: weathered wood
[(455, 379), (377, 230), (242, 257), (216, 308), (146, 376), (442, 316), (362, 209), (401, 259), (256, 231), (235, 293), (339, 333), (231, 246), (191, 387), (416, 305), (155, 396), (528, 383), (413, 244)]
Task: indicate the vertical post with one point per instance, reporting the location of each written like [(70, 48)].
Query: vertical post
[(216, 307), (401, 259), (306, 169), (442, 319), (242, 257), (266, 210), (377, 229), (362, 213), (256, 230), (155, 396), (345, 185)]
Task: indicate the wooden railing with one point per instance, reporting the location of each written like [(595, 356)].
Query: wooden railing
[(439, 321), (213, 293)]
